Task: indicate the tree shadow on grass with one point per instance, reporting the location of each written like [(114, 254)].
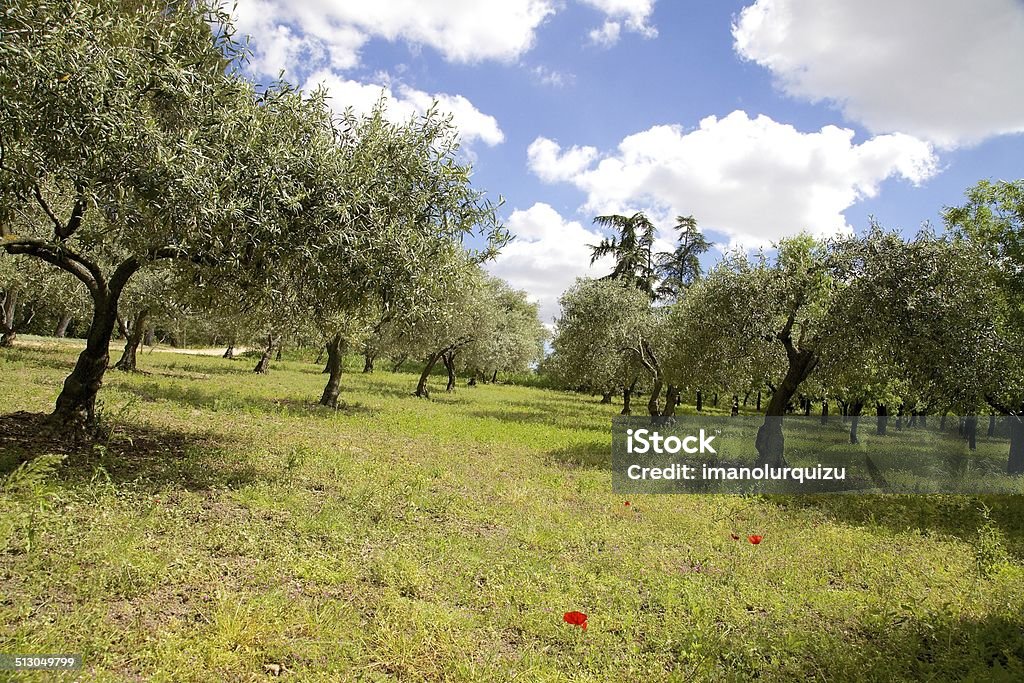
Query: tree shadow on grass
[(193, 370), (144, 457), (929, 646), (590, 455), (958, 516), (37, 357), (199, 397), (540, 418)]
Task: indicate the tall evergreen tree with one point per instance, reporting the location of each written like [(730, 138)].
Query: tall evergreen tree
[(632, 248)]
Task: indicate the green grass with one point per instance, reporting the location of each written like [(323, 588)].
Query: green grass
[(230, 524)]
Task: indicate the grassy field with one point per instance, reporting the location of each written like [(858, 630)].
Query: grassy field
[(230, 529)]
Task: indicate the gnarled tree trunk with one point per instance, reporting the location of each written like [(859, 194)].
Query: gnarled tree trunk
[(129, 357), (62, 326), (8, 309), (770, 441), (229, 353), (263, 366), (421, 386), (882, 414), (368, 358), (335, 348), (627, 398), (449, 364), (671, 401), (76, 403)]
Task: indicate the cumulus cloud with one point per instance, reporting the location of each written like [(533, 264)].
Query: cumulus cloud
[(633, 13), (547, 255), (947, 71), (461, 30), (405, 102), (753, 179), (607, 35), (547, 160)]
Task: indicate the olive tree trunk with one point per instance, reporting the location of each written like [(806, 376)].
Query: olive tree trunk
[(76, 404), (449, 364), (421, 386), (263, 366), (855, 410), (1015, 463), (335, 349), (671, 401), (8, 308), (627, 398), (971, 431), (770, 441), (129, 357), (62, 326)]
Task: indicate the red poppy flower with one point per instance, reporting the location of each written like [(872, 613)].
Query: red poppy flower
[(755, 539), (576, 619), (626, 503), (734, 537)]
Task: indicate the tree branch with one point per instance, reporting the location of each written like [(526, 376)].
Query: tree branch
[(58, 227), (994, 403), (86, 271)]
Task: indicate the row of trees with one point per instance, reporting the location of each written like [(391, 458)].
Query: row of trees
[(137, 162), (928, 323)]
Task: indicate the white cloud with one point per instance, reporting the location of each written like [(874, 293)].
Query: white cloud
[(461, 30), (756, 180), (607, 35), (556, 79), (546, 256), (634, 13), (948, 71), (405, 102), (548, 161)]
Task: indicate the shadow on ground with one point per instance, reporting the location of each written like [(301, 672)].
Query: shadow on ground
[(198, 397), (150, 458), (928, 647), (593, 455), (959, 516)]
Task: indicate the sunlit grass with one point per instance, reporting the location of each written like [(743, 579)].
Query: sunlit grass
[(405, 539)]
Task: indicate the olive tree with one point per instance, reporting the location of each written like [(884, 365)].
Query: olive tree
[(135, 140), (409, 204), (601, 336), (985, 317), (517, 341)]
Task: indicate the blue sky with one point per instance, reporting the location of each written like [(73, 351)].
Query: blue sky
[(760, 117)]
